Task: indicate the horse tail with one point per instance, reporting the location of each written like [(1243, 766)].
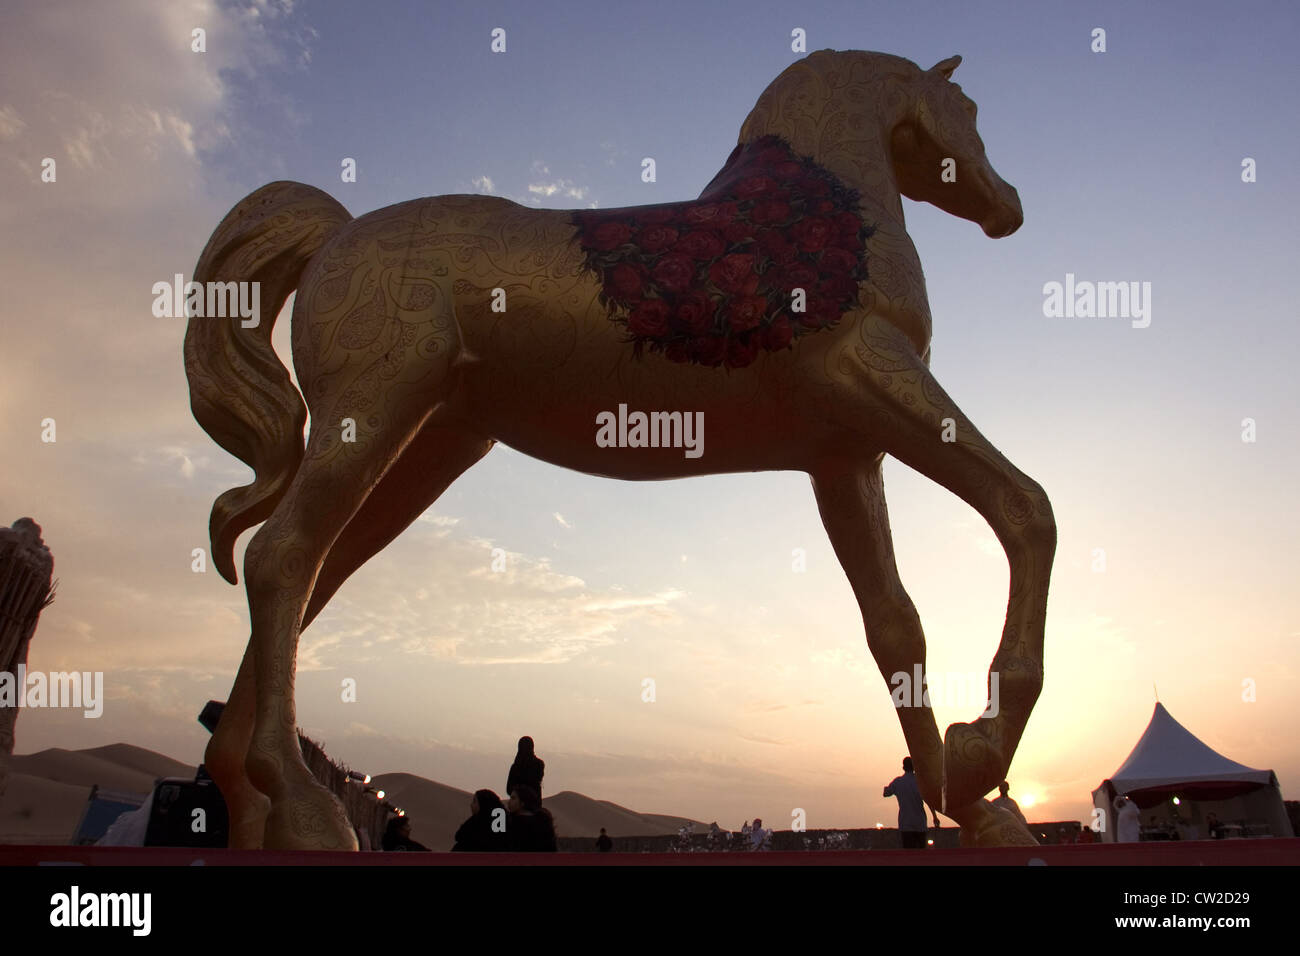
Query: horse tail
[(240, 391)]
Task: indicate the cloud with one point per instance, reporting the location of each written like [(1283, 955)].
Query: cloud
[(560, 520), (484, 184), (564, 187)]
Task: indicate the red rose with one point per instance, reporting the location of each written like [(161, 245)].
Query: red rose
[(737, 231), (838, 261), (701, 244), (608, 235), (650, 318), (735, 273), (695, 312), (823, 206), (746, 312), (655, 238), (849, 242), (847, 223), (822, 312), (796, 275), (815, 186), (755, 186), (770, 212), (675, 272), (713, 214), (741, 352), (776, 336), (625, 282), (657, 214), (839, 289), (776, 247), (709, 350), (812, 234), (678, 351)]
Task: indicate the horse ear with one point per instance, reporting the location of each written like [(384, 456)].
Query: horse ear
[(946, 67)]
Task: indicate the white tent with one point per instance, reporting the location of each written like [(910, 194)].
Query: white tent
[(1169, 763)]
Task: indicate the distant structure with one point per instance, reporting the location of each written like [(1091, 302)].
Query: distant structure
[(26, 589)]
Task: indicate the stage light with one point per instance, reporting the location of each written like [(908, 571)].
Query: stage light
[(1177, 802), (930, 842), (355, 776)]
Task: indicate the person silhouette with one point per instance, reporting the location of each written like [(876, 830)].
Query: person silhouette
[(486, 829), (531, 826), (603, 843), (397, 836), (1004, 801), (528, 769), (911, 808)]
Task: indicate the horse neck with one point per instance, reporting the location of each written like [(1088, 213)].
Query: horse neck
[(861, 160)]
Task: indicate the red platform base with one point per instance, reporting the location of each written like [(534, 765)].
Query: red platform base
[(1192, 853)]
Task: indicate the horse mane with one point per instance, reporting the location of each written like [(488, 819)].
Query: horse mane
[(817, 103)]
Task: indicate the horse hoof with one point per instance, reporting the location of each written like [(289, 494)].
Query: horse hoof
[(984, 825), (308, 818)]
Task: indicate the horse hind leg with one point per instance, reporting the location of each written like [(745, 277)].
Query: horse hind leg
[(280, 569), (436, 457)]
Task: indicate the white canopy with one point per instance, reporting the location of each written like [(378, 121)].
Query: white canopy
[(1169, 760)]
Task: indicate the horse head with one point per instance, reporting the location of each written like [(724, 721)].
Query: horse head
[(939, 127)]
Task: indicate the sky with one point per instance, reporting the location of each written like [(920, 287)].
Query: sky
[(1129, 167)]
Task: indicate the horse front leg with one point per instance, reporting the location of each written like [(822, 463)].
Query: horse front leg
[(912, 418)]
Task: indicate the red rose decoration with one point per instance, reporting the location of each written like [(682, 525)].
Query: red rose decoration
[(755, 186), (650, 318), (770, 212), (741, 352), (746, 312), (812, 234), (776, 336), (776, 247), (677, 351), (626, 281), (840, 289), (709, 350), (768, 209), (735, 274), (737, 231), (847, 223), (822, 312), (695, 312), (675, 272), (701, 244), (838, 261), (710, 214), (609, 234), (655, 238), (797, 275)]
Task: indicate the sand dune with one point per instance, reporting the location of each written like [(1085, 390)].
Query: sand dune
[(116, 767), (48, 790)]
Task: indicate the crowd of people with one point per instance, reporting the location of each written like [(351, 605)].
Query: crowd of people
[(522, 824), (519, 825)]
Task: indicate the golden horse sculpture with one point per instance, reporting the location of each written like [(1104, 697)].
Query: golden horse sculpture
[(786, 304)]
